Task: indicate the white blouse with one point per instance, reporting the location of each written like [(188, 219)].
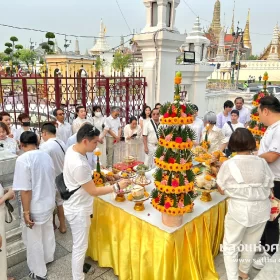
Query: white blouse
[(247, 180), (215, 137), (98, 123), (10, 144), (129, 132), (77, 123)]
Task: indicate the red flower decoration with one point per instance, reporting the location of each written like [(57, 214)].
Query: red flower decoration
[(166, 115), (171, 160), (175, 183), (157, 200), (183, 107), (173, 115), (189, 115), (263, 129), (258, 100), (167, 205), (178, 140)]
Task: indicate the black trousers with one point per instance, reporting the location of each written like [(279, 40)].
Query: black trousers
[(271, 232)]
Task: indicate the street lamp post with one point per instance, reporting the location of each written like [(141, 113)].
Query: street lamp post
[(236, 35)]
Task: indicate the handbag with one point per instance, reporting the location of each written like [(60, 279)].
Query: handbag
[(275, 207), (9, 210), (61, 187)]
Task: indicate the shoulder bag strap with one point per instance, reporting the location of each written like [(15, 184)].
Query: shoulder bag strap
[(60, 146), (154, 126), (229, 123)]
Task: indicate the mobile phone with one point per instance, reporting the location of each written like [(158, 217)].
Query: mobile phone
[(134, 135)]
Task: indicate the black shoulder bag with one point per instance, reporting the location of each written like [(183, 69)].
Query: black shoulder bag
[(154, 126), (227, 151)]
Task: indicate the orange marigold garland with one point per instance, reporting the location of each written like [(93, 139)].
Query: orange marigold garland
[(174, 179)]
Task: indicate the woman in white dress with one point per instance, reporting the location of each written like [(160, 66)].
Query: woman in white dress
[(81, 117), (8, 143), (99, 123), (133, 139), (214, 134), (145, 116), (3, 254)]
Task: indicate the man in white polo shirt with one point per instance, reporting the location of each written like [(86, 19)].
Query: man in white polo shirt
[(56, 150), (34, 177), (269, 112), (244, 113), (64, 129), (78, 208), (113, 133), (150, 138)]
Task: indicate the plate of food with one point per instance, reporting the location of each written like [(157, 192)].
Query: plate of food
[(127, 174), (138, 194), (197, 170), (126, 190), (141, 167), (129, 159)]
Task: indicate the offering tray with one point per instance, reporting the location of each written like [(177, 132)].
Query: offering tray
[(139, 203), (206, 194)]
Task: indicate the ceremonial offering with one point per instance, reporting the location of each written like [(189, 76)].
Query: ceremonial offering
[(137, 192), (98, 176), (139, 202), (127, 174), (129, 159), (174, 178), (141, 179), (141, 167), (255, 126)]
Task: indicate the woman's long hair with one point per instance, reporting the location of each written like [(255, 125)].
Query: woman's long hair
[(143, 114)]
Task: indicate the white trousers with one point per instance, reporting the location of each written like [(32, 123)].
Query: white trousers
[(234, 235), (80, 230), (149, 158), (40, 246), (3, 257)]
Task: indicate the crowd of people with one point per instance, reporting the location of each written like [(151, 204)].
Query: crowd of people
[(63, 148)]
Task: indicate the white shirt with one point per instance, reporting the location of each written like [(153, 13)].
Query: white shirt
[(77, 172), (63, 131), (247, 180), (215, 137), (19, 131), (52, 148), (227, 131), (34, 171), (149, 131), (10, 144), (77, 123), (113, 124), (271, 143), (98, 123), (221, 119), (91, 157), (198, 127), (13, 131), (129, 132), (244, 115)]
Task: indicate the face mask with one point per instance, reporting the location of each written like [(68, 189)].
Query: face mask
[(26, 124), (97, 114)]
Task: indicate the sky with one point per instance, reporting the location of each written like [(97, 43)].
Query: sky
[(82, 17)]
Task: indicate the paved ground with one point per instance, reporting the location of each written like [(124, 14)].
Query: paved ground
[(60, 269)]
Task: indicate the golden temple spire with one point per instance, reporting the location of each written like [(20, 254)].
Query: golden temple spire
[(232, 23), (246, 38), (216, 22)]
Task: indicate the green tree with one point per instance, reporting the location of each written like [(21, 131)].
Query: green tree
[(27, 56), (121, 61), (13, 39), (50, 44), (253, 57), (99, 64), (3, 58)]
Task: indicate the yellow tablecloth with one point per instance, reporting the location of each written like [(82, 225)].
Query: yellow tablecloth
[(137, 250)]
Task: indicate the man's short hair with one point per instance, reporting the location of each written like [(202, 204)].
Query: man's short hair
[(49, 127), (235, 112), (23, 116), (55, 111), (228, 104), (28, 138), (87, 131), (210, 117), (3, 114), (114, 109), (240, 98), (271, 103), (155, 109)]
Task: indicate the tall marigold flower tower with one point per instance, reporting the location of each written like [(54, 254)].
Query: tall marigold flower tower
[(174, 179)]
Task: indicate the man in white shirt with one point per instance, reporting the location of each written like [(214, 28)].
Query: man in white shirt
[(230, 126), (150, 138), (91, 157), (269, 112), (56, 150), (78, 208), (34, 178), (197, 126), (64, 129), (244, 113), (113, 133)]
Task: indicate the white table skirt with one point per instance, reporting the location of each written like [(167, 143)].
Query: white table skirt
[(152, 216)]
